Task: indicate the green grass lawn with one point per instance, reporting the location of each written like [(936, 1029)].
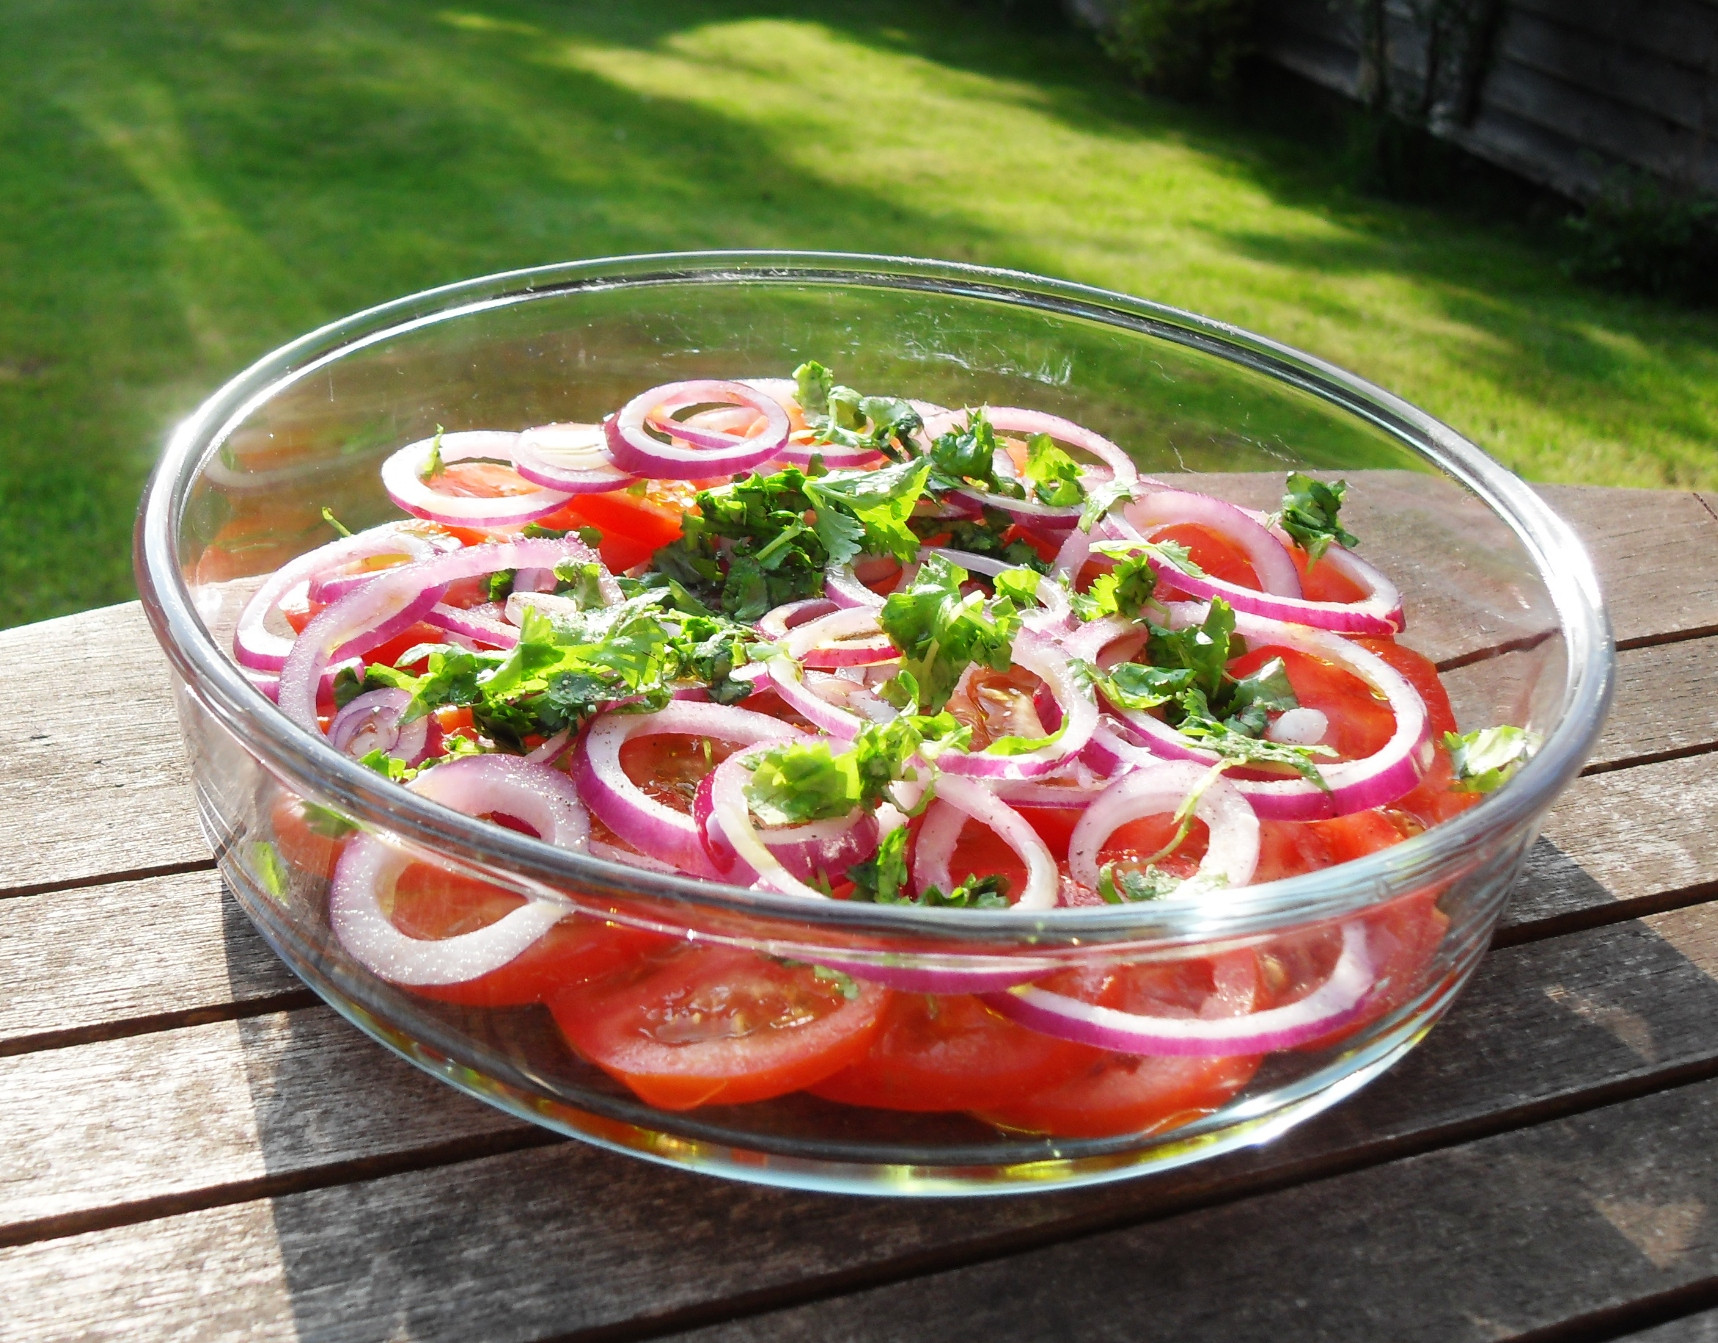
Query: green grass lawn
[(185, 183)]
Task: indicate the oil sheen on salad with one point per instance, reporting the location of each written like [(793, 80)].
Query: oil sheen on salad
[(781, 634)]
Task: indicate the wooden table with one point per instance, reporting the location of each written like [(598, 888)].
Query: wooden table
[(192, 1146)]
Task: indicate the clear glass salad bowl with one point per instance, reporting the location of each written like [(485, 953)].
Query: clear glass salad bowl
[(1498, 592)]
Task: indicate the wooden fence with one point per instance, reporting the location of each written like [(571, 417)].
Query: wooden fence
[(1564, 92)]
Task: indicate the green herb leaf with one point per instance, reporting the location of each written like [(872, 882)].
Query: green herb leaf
[(1053, 475), (500, 584), (965, 457), (1309, 515), (941, 633), (434, 466), (335, 523), (271, 869), (1100, 499), (882, 878), (1485, 759), (879, 501)]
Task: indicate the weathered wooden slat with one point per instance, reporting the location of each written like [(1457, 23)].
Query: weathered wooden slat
[(1605, 68), (552, 1241), (1700, 1328), (1602, 124), (1681, 32), (97, 783), (1621, 843), (128, 957), (1526, 1231), (1666, 701)]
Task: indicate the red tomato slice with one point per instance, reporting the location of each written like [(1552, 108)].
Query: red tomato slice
[(715, 1025), (1433, 799), (951, 1052), (1215, 554), (1360, 721), (633, 526), (306, 836), (433, 903), (1127, 1093)]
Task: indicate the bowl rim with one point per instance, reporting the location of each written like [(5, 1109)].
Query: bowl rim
[(305, 761)]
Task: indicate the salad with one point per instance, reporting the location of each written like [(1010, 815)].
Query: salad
[(777, 633)]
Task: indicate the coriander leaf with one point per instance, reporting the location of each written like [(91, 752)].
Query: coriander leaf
[(271, 869), (1124, 590), (1485, 759), (1203, 649), (801, 781), (981, 536), (1020, 586), (965, 457), (812, 385), (973, 893), (1100, 499), (941, 633), (1197, 721), (581, 581), (500, 584), (434, 466), (1053, 475), (1127, 885), (882, 878), (1309, 515), (1265, 691), (348, 685), (389, 767), (880, 501), (1136, 685)]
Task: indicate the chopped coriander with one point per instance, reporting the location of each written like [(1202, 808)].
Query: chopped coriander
[(799, 781), (1126, 885), (1100, 499), (1485, 759), (434, 466), (271, 869), (1053, 475), (882, 878), (965, 457), (389, 767), (941, 632), (1309, 515), (500, 584)]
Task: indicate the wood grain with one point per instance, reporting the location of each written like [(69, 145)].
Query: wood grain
[(96, 783), (1543, 1028), (1527, 1230), (130, 956)]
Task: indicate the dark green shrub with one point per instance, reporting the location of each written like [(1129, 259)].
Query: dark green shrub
[(1183, 48), (1637, 235)]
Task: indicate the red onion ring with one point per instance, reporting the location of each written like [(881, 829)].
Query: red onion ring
[(1354, 785), (473, 625), (258, 647), (572, 458), (844, 638), (1271, 562), (402, 477), (1018, 420), (634, 450), (371, 722), (818, 847), (370, 616), (1233, 852), (1337, 1001), (960, 799), (650, 826), (732, 814), (476, 785), (775, 624), (1080, 709)]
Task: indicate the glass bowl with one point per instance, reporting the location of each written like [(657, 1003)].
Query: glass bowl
[(1498, 592)]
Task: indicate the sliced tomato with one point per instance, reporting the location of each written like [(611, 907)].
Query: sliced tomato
[(951, 1052), (480, 480), (634, 525), (712, 1025), (1322, 583), (433, 903), (1434, 798), (1215, 554), (1127, 1093), (305, 835), (1360, 720)]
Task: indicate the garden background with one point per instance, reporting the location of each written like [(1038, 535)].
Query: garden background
[(187, 183)]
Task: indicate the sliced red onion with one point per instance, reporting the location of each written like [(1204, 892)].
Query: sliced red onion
[(732, 814), (960, 799), (1017, 420), (571, 458), (473, 625), (1336, 1002), (1271, 562), (1379, 612), (650, 826), (1051, 594), (836, 456), (371, 722), (1233, 851), (370, 616), (1072, 557), (789, 683), (775, 624), (806, 851), (266, 682), (843, 638), (634, 450), (846, 591), (550, 749), (1353, 785), (257, 646), (364, 878), (1080, 716), (402, 477)]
